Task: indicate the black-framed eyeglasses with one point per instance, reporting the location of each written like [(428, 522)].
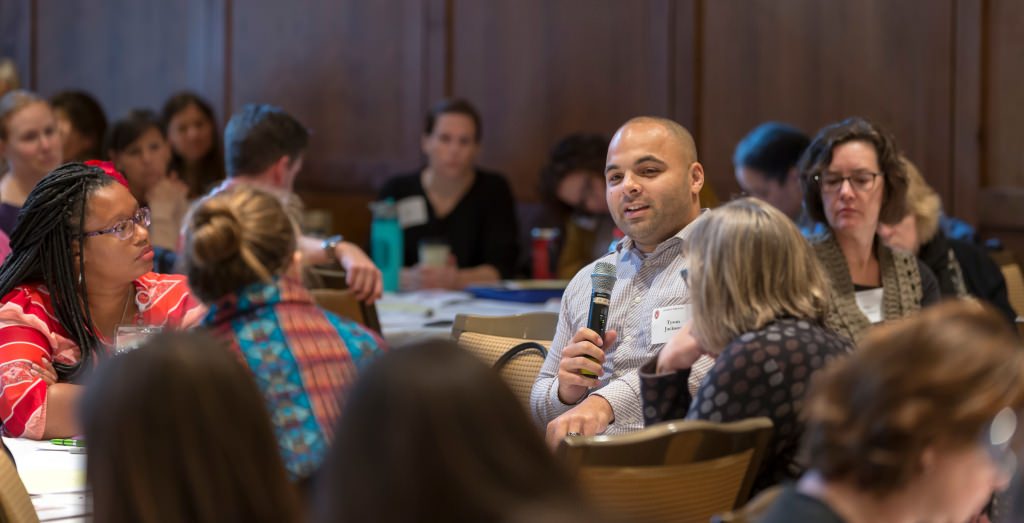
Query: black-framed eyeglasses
[(860, 181), (125, 229)]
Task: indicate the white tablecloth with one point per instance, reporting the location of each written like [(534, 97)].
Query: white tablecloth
[(54, 476), (423, 314)]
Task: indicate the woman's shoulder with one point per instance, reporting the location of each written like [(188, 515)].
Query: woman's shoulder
[(492, 181), (789, 335), (29, 299), (167, 299), (402, 185)]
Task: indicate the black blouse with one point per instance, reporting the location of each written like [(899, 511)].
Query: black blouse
[(761, 373), (481, 229)]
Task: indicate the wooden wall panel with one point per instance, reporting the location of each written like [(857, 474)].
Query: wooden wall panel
[(129, 53), (354, 72), (810, 63), (539, 70)]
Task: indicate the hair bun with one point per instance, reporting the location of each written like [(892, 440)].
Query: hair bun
[(217, 234)]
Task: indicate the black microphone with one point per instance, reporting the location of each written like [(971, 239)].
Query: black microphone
[(603, 280)]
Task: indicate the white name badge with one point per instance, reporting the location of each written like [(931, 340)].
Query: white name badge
[(412, 211), (870, 303), (666, 321)]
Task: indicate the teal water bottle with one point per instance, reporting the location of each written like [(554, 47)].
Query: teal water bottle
[(386, 242)]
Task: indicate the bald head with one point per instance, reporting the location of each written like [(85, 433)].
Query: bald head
[(684, 140)]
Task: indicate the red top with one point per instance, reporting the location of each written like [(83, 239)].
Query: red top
[(30, 333)]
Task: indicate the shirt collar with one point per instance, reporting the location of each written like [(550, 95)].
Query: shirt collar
[(626, 244)]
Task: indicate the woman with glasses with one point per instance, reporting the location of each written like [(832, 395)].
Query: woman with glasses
[(76, 288), (911, 427), (853, 180)]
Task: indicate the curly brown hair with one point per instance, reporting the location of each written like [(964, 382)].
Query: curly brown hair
[(818, 157), (937, 378)]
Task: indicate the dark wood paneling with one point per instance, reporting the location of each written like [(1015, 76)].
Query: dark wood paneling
[(1004, 110), (128, 53), (353, 71), (810, 63), (16, 36), (967, 111), (540, 69)]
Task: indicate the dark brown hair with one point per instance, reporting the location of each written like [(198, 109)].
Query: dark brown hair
[(818, 157), (236, 237), (576, 152), (178, 431), (454, 106), (430, 433), (932, 379), (211, 167), (87, 117)]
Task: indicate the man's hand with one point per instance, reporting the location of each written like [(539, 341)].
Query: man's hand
[(680, 352), (361, 275), (588, 418), (571, 384)]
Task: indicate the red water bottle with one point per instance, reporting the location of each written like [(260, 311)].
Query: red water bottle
[(543, 252)]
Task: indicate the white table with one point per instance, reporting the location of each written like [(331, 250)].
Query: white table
[(429, 314), (55, 478)]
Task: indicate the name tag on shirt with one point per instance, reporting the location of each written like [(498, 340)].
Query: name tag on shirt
[(870, 303), (666, 321), (412, 211)]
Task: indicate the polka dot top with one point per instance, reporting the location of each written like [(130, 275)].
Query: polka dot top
[(761, 373)]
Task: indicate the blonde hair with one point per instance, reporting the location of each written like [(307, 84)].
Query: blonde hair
[(237, 237), (13, 102), (9, 80), (923, 202), (749, 265)]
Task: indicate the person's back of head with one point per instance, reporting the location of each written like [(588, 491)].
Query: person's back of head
[(748, 266), (916, 392), (260, 135), (772, 148), (83, 140), (430, 433), (236, 237), (178, 431)]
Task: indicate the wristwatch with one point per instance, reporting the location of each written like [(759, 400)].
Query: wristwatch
[(330, 245)]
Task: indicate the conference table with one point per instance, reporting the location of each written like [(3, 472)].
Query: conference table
[(410, 316), (55, 476)]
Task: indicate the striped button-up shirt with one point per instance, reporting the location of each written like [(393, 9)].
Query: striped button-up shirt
[(645, 282)]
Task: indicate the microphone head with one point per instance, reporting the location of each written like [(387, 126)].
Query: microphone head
[(603, 277)]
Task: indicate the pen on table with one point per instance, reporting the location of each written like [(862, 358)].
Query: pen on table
[(68, 442)]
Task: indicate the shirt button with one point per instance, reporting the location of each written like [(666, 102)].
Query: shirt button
[(627, 338), (637, 299)]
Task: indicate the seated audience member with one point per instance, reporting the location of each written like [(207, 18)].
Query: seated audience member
[(31, 144), (191, 130), (177, 431), (573, 181), (961, 268), (78, 272), (9, 80), (430, 433), (82, 125), (653, 184), (137, 147), (239, 254), (911, 427), (265, 148), (853, 180), (759, 301), (450, 200), (766, 167)]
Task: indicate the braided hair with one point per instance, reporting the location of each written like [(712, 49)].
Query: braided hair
[(49, 224)]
